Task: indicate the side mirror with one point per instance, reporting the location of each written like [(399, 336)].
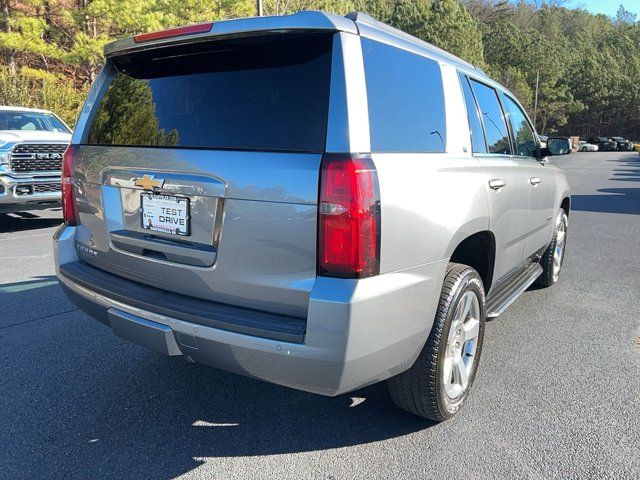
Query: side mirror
[(558, 146)]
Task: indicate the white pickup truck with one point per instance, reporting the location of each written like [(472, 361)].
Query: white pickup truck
[(32, 142)]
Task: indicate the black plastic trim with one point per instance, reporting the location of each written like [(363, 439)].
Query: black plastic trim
[(183, 307)]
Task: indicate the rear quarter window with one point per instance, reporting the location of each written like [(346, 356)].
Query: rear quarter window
[(259, 94), (406, 100)]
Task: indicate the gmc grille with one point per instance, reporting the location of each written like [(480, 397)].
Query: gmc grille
[(37, 157)]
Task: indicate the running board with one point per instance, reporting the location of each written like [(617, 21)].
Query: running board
[(512, 289)]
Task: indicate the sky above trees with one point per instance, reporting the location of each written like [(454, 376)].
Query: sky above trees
[(607, 7)]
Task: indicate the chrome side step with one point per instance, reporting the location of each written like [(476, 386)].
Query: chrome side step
[(499, 301)]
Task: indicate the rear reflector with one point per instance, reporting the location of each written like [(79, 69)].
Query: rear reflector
[(174, 32), (69, 208), (349, 217)]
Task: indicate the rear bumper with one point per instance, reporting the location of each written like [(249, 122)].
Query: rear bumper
[(357, 332), (19, 194)]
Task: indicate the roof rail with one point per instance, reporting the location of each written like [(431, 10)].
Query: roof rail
[(363, 18)]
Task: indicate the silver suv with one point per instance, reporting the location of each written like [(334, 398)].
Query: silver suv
[(32, 142), (312, 200)]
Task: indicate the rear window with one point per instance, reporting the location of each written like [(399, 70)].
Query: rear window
[(478, 143), (406, 100), (252, 94), (495, 127)]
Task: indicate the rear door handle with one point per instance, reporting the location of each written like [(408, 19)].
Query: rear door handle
[(535, 180), (497, 183)]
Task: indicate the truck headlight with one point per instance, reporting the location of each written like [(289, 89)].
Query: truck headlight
[(4, 158)]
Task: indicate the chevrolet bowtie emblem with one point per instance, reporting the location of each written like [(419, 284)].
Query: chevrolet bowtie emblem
[(148, 182)]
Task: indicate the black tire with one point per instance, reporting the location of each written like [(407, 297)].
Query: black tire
[(584, 149), (420, 390), (548, 278)]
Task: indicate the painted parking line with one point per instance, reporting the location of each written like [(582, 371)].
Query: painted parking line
[(24, 286), (26, 237)]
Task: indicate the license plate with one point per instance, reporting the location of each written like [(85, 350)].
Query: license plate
[(165, 214)]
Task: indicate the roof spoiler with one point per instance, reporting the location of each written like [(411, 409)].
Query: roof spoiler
[(306, 20)]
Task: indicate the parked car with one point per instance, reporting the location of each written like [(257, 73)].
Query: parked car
[(604, 144), (587, 147), (32, 142), (325, 221), (622, 144)]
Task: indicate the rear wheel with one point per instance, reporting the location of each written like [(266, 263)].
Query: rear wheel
[(437, 384), (584, 149), (553, 257)]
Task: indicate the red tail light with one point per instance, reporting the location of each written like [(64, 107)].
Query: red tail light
[(69, 209), (174, 32), (349, 217)]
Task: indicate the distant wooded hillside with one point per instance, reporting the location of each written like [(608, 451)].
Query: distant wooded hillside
[(586, 67)]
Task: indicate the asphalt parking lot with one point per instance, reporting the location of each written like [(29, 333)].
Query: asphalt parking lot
[(557, 393)]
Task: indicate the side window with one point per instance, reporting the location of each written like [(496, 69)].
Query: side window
[(495, 128), (406, 100), (524, 137), (478, 145)]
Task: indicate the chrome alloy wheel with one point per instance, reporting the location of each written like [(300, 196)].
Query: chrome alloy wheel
[(558, 253), (461, 346)]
